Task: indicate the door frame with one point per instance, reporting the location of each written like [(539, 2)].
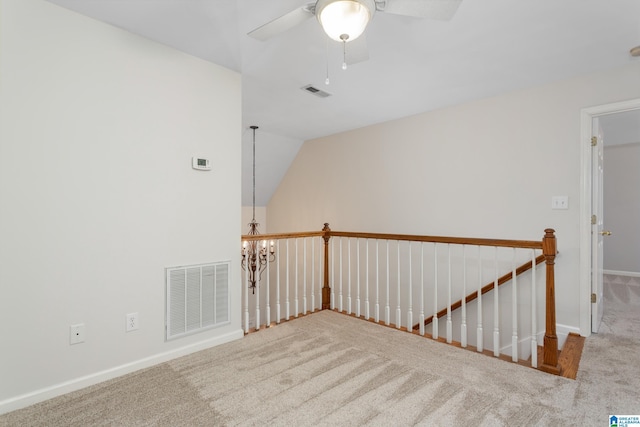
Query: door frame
[(586, 118)]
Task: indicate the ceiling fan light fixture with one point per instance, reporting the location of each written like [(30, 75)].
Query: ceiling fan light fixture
[(344, 20)]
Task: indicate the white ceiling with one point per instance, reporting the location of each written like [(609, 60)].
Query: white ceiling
[(415, 65)]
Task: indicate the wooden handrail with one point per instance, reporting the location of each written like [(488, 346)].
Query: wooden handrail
[(276, 236), (487, 288), (527, 244)]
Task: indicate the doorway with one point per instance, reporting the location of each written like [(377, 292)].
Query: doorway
[(622, 196), (591, 275)]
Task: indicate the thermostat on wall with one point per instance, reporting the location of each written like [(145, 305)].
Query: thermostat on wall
[(201, 164)]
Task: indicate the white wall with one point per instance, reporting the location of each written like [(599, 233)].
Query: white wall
[(622, 208), (483, 169), (281, 150), (98, 127), (261, 218)]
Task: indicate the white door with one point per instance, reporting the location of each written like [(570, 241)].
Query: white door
[(597, 231)]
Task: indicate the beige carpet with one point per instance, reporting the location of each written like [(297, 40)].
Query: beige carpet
[(331, 369)]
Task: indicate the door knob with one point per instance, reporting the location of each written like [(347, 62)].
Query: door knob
[(606, 233)]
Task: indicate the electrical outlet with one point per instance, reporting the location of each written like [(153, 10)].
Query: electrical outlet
[(132, 322), (76, 334)]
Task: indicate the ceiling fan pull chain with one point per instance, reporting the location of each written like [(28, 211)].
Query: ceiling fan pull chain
[(327, 61), (344, 54)]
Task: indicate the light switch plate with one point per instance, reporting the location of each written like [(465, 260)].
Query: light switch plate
[(560, 202)]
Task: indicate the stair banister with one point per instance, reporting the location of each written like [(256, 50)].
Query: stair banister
[(326, 289), (550, 356), (548, 246), (485, 289)]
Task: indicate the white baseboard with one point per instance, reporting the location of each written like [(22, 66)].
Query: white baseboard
[(622, 273), (562, 331), (524, 348), (46, 393)]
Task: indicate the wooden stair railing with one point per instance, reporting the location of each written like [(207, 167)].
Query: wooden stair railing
[(485, 289), (549, 250)]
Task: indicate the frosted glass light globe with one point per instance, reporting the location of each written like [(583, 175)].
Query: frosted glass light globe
[(344, 20)]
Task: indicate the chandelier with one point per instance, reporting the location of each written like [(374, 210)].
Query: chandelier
[(255, 255)]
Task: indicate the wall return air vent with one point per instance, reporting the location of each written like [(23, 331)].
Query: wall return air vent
[(197, 298), (315, 91)]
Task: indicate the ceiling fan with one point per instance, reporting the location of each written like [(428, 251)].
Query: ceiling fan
[(346, 20)]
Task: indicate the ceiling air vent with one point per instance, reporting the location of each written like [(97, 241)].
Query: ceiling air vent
[(315, 91)]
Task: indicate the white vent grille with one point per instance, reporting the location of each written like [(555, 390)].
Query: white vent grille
[(197, 298)]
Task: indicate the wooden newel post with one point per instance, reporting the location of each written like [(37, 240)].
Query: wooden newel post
[(326, 290), (550, 355)]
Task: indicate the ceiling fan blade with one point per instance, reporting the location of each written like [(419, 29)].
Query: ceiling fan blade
[(357, 50), (282, 24), (442, 10)]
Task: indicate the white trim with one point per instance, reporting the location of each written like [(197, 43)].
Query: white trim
[(586, 117), (622, 273), (562, 332), (524, 347), (31, 398)]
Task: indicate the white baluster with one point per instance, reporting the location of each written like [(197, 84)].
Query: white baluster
[(410, 312), (496, 307), (449, 321), (320, 268), (349, 276), (257, 288), (246, 298), (434, 322), (534, 326), (287, 303), (421, 288), (341, 272), (304, 277), (313, 274), (387, 309), (296, 283), (358, 277), (377, 312), (366, 295), (268, 294), (463, 326), (398, 309), (278, 281), (333, 275), (514, 312), (480, 332)]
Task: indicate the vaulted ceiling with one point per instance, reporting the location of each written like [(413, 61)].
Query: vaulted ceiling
[(415, 65)]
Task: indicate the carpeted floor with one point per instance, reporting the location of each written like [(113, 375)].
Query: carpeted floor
[(332, 369)]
